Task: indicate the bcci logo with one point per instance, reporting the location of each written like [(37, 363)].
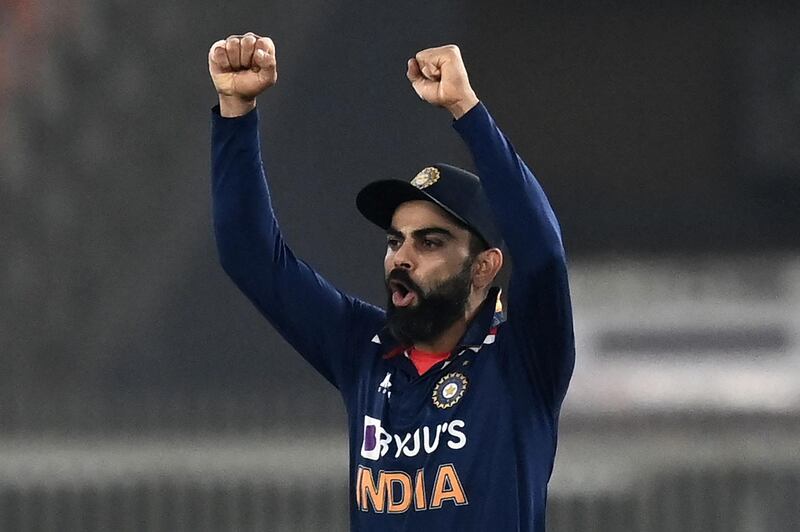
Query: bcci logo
[(426, 177), (449, 390)]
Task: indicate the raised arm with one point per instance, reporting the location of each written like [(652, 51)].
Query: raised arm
[(314, 317), (539, 310)]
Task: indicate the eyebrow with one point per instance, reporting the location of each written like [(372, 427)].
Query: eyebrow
[(423, 232)]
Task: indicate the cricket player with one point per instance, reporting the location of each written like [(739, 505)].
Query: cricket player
[(452, 408)]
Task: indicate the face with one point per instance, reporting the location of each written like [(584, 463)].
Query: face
[(428, 272)]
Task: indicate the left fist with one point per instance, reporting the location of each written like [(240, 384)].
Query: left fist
[(439, 77)]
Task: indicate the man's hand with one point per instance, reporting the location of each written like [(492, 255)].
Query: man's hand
[(439, 77), (242, 67)]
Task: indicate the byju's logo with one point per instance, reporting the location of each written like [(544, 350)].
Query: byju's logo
[(375, 438), (377, 441)]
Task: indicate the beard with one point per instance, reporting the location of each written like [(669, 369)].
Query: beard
[(435, 310)]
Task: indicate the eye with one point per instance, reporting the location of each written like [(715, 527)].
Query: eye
[(428, 243), (393, 243)]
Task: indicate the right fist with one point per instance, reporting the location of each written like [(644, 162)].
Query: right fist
[(242, 66)]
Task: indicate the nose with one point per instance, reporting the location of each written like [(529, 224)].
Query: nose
[(403, 256)]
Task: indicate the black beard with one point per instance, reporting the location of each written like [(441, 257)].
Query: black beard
[(435, 311)]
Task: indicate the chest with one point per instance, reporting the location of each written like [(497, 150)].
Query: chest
[(404, 418)]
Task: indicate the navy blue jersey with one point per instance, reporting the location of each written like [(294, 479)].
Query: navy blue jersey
[(470, 444)]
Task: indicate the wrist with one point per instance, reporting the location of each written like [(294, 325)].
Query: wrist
[(462, 106), (233, 106)]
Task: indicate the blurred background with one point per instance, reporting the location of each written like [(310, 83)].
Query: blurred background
[(140, 391)]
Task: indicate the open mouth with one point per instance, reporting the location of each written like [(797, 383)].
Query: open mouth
[(402, 295)]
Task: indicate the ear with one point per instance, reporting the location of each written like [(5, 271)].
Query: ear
[(486, 267)]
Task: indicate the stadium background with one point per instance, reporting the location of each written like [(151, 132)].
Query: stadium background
[(140, 391)]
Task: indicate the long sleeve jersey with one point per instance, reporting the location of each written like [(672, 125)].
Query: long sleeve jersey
[(470, 444)]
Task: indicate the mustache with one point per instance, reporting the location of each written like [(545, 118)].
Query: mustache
[(401, 275)]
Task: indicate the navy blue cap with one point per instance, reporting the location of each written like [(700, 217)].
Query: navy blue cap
[(456, 191)]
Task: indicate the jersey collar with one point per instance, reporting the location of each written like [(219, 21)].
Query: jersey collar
[(478, 332)]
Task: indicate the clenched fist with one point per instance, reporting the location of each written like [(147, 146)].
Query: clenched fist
[(439, 77), (242, 67)]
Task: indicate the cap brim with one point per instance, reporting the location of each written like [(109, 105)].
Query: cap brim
[(378, 201)]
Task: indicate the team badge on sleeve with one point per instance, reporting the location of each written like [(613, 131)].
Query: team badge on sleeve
[(449, 390)]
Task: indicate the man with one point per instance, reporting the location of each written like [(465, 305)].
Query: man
[(452, 410)]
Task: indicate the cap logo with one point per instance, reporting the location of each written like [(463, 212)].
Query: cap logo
[(426, 177)]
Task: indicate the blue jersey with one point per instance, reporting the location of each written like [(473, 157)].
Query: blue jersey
[(470, 444)]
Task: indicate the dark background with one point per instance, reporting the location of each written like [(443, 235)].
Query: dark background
[(656, 131), (661, 133)]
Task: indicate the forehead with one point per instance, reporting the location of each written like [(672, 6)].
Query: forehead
[(418, 214)]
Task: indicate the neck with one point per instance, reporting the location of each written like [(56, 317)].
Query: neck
[(448, 340)]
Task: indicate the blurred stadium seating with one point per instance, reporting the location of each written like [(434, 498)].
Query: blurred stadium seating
[(140, 391)]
